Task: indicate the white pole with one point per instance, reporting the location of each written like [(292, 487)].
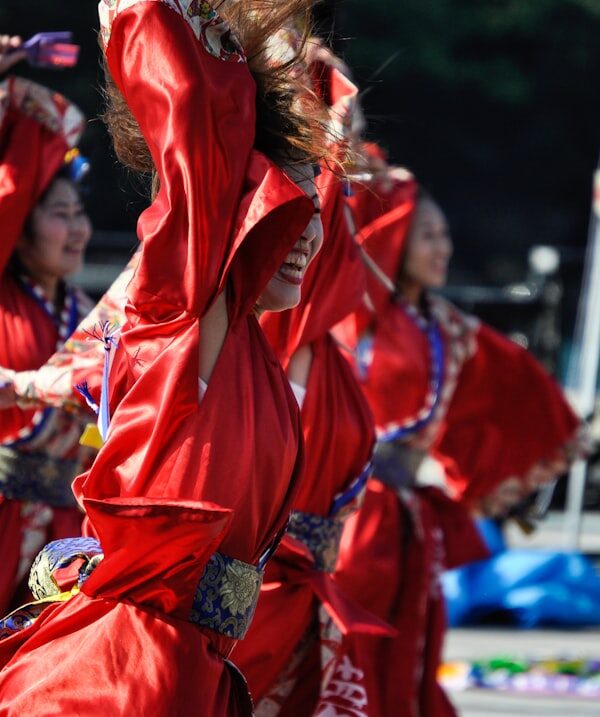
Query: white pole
[(583, 368)]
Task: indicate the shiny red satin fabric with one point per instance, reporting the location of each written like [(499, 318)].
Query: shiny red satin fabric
[(405, 548), (398, 377), (225, 218), (503, 416), (338, 433), (507, 415), (383, 211), (30, 155), (28, 338)]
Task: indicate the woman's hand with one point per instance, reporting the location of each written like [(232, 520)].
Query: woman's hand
[(9, 54)]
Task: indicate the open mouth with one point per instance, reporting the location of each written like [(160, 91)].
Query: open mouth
[(74, 249), (292, 270)]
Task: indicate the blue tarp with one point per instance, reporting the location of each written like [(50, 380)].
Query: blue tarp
[(528, 588)]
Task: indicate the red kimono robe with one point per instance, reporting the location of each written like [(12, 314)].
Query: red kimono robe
[(286, 655), (79, 363), (186, 497), (418, 376), (39, 449)]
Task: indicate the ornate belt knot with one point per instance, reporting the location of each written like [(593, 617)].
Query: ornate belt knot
[(55, 556), (320, 535), (224, 601), (226, 596)]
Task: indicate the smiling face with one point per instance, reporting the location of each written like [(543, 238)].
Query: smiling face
[(58, 232), (428, 248), (284, 290)]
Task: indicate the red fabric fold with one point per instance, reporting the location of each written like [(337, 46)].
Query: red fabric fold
[(406, 549), (170, 458), (154, 550), (383, 213), (295, 566), (507, 415)]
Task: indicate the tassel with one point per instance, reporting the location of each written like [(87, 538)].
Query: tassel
[(84, 390), (105, 332)]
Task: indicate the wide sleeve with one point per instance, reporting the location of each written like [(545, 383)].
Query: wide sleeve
[(186, 81), (507, 415)]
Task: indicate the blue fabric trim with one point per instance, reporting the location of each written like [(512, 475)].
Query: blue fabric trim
[(73, 323), (35, 431), (352, 492), (74, 316)]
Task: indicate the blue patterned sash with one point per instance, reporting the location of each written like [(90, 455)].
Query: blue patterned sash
[(225, 599), (322, 535), (37, 478)]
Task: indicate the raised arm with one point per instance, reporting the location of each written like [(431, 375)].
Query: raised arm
[(194, 102)]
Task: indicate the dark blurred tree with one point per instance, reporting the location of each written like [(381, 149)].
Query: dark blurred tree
[(494, 104)]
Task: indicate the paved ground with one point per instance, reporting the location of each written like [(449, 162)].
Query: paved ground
[(551, 533), (481, 643)]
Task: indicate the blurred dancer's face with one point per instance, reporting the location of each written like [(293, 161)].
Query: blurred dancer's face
[(59, 231), (428, 249), (284, 291)]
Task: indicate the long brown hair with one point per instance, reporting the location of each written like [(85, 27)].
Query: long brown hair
[(290, 123)]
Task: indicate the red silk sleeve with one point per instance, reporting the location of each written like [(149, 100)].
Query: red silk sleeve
[(223, 210), (197, 115), (507, 415)]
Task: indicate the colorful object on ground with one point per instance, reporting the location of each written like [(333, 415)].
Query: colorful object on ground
[(576, 677), (51, 50)]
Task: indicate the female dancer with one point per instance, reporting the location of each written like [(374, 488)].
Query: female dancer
[(192, 488), (72, 377), (44, 234), (286, 655), (429, 373)]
